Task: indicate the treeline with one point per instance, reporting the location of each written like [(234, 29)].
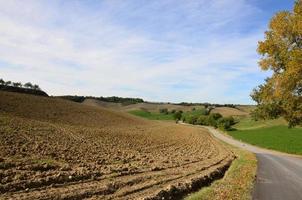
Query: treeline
[(206, 104), (27, 88), (27, 85), (213, 119), (113, 99), (202, 116)]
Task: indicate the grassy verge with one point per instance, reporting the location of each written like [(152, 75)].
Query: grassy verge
[(237, 182), (279, 138), (152, 115)]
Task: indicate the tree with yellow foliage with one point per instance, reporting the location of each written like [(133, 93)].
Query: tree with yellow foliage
[(281, 51)]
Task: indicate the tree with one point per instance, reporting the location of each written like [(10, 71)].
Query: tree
[(202, 120), (28, 85), (281, 94), (8, 83), (2, 82), (36, 87), (164, 111), (177, 115), (17, 84), (225, 123)]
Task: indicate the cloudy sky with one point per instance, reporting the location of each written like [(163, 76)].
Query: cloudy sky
[(160, 50)]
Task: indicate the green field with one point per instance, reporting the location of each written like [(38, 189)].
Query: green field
[(276, 137), (152, 115), (198, 112), (246, 123)]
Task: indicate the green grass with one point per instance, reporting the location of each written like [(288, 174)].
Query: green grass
[(152, 115), (279, 138), (237, 182), (248, 123), (197, 112)]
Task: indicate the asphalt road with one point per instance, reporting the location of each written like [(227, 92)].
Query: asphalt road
[(279, 175)]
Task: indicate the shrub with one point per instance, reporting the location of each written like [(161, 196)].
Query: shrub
[(225, 123), (191, 119), (215, 116), (177, 115), (202, 120), (164, 111)]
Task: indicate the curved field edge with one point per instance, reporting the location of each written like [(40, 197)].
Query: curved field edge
[(237, 183)]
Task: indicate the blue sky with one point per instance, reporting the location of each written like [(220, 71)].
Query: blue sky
[(160, 50)]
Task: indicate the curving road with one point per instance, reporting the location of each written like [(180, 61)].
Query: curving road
[(279, 175)]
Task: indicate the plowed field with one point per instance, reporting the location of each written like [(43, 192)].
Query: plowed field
[(56, 149)]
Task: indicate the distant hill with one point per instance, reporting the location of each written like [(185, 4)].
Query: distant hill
[(113, 99), (151, 107), (22, 90), (155, 107)]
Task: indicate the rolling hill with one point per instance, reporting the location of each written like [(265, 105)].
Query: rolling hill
[(57, 149)]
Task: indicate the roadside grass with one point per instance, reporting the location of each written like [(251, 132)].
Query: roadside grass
[(152, 115), (237, 183), (280, 138)]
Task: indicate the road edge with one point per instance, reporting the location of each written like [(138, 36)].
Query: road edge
[(238, 181)]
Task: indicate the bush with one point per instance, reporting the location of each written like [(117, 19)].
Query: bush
[(164, 111), (204, 111), (191, 119), (225, 123), (215, 116), (202, 120), (177, 115)]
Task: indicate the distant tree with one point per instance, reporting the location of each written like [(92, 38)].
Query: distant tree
[(202, 120), (17, 84), (212, 119), (36, 87), (2, 82), (28, 85), (177, 115), (164, 111), (281, 94), (215, 115), (8, 83), (191, 119)]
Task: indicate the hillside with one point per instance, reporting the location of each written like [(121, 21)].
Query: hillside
[(151, 107), (22, 90), (56, 149), (227, 111)]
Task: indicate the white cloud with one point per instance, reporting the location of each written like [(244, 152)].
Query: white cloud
[(70, 49)]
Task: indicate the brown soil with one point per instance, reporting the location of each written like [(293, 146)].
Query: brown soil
[(227, 111), (56, 149)]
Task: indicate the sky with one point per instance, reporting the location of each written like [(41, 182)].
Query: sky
[(159, 50)]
